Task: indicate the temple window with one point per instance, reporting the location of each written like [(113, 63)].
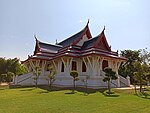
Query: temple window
[(83, 67), (47, 67), (74, 65), (104, 64), (62, 67), (40, 64)]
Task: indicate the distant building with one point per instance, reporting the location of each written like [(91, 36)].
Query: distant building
[(89, 56)]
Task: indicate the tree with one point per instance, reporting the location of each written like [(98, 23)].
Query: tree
[(148, 77), (10, 65), (139, 73), (2, 65), (7, 77), (135, 81), (3, 77), (74, 74), (21, 69), (85, 81), (36, 74), (145, 56), (51, 76), (127, 69), (10, 76), (109, 75)]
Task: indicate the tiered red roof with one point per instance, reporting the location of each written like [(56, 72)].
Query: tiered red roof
[(69, 47)]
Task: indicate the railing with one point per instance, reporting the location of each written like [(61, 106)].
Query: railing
[(124, 80), (114, 84), (22, 78)]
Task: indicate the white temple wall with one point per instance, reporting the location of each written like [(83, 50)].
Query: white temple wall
[(93, 69)]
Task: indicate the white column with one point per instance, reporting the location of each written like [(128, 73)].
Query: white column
[(101, 61), (43, 67), (67, 64), (27, 67), (16, 79), (128, 80), (148, 83), (32, 65), (118, 80), (90, 66)]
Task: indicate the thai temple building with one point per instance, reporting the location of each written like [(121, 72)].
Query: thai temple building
[(82, 52)]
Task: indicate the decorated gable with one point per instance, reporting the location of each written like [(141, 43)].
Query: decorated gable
[(102, 43)]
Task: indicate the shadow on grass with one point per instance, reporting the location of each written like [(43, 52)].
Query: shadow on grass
[(145, 89), (1, 89), (143, 95), (46, 89), (30, 89), (4, 87), (110, 95), (20, 86), (42, 92), (107, 94), (70, 92), (79, 89)]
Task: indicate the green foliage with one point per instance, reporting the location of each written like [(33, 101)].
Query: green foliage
[(128, 69), (74, 74), (109, 75), (10, 65), (21, 69), (136, 67), (51, 75), (147, 76), (7, 77), (132, 55), (3, 67), (139, 74), (145, 56), (85, 81), (36, 74)]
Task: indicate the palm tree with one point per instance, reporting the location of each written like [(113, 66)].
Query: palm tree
[(109, 75)]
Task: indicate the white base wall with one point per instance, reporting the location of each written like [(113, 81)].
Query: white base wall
[(67, 81)]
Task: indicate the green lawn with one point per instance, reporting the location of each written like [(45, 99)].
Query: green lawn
[(38, 100)]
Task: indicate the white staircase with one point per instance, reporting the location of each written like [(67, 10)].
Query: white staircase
[(124, 82), (22, 78)]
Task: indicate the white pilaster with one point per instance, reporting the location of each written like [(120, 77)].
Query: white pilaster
[(43, 67)]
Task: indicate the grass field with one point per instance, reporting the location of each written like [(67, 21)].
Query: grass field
[(39, 100)]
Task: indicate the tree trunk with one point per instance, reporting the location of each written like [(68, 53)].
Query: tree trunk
[(48, 82), (109, 87), (135, 89), (50, 85), (140, 83), (36, 83), (73, 85)]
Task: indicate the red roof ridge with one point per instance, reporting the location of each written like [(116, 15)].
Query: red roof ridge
[(37, 47), (102, 36), (85, 30)]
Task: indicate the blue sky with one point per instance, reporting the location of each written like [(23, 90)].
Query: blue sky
[(127, 23)]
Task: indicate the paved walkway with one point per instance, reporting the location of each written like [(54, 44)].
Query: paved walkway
[(131, 87), (3, 84)]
